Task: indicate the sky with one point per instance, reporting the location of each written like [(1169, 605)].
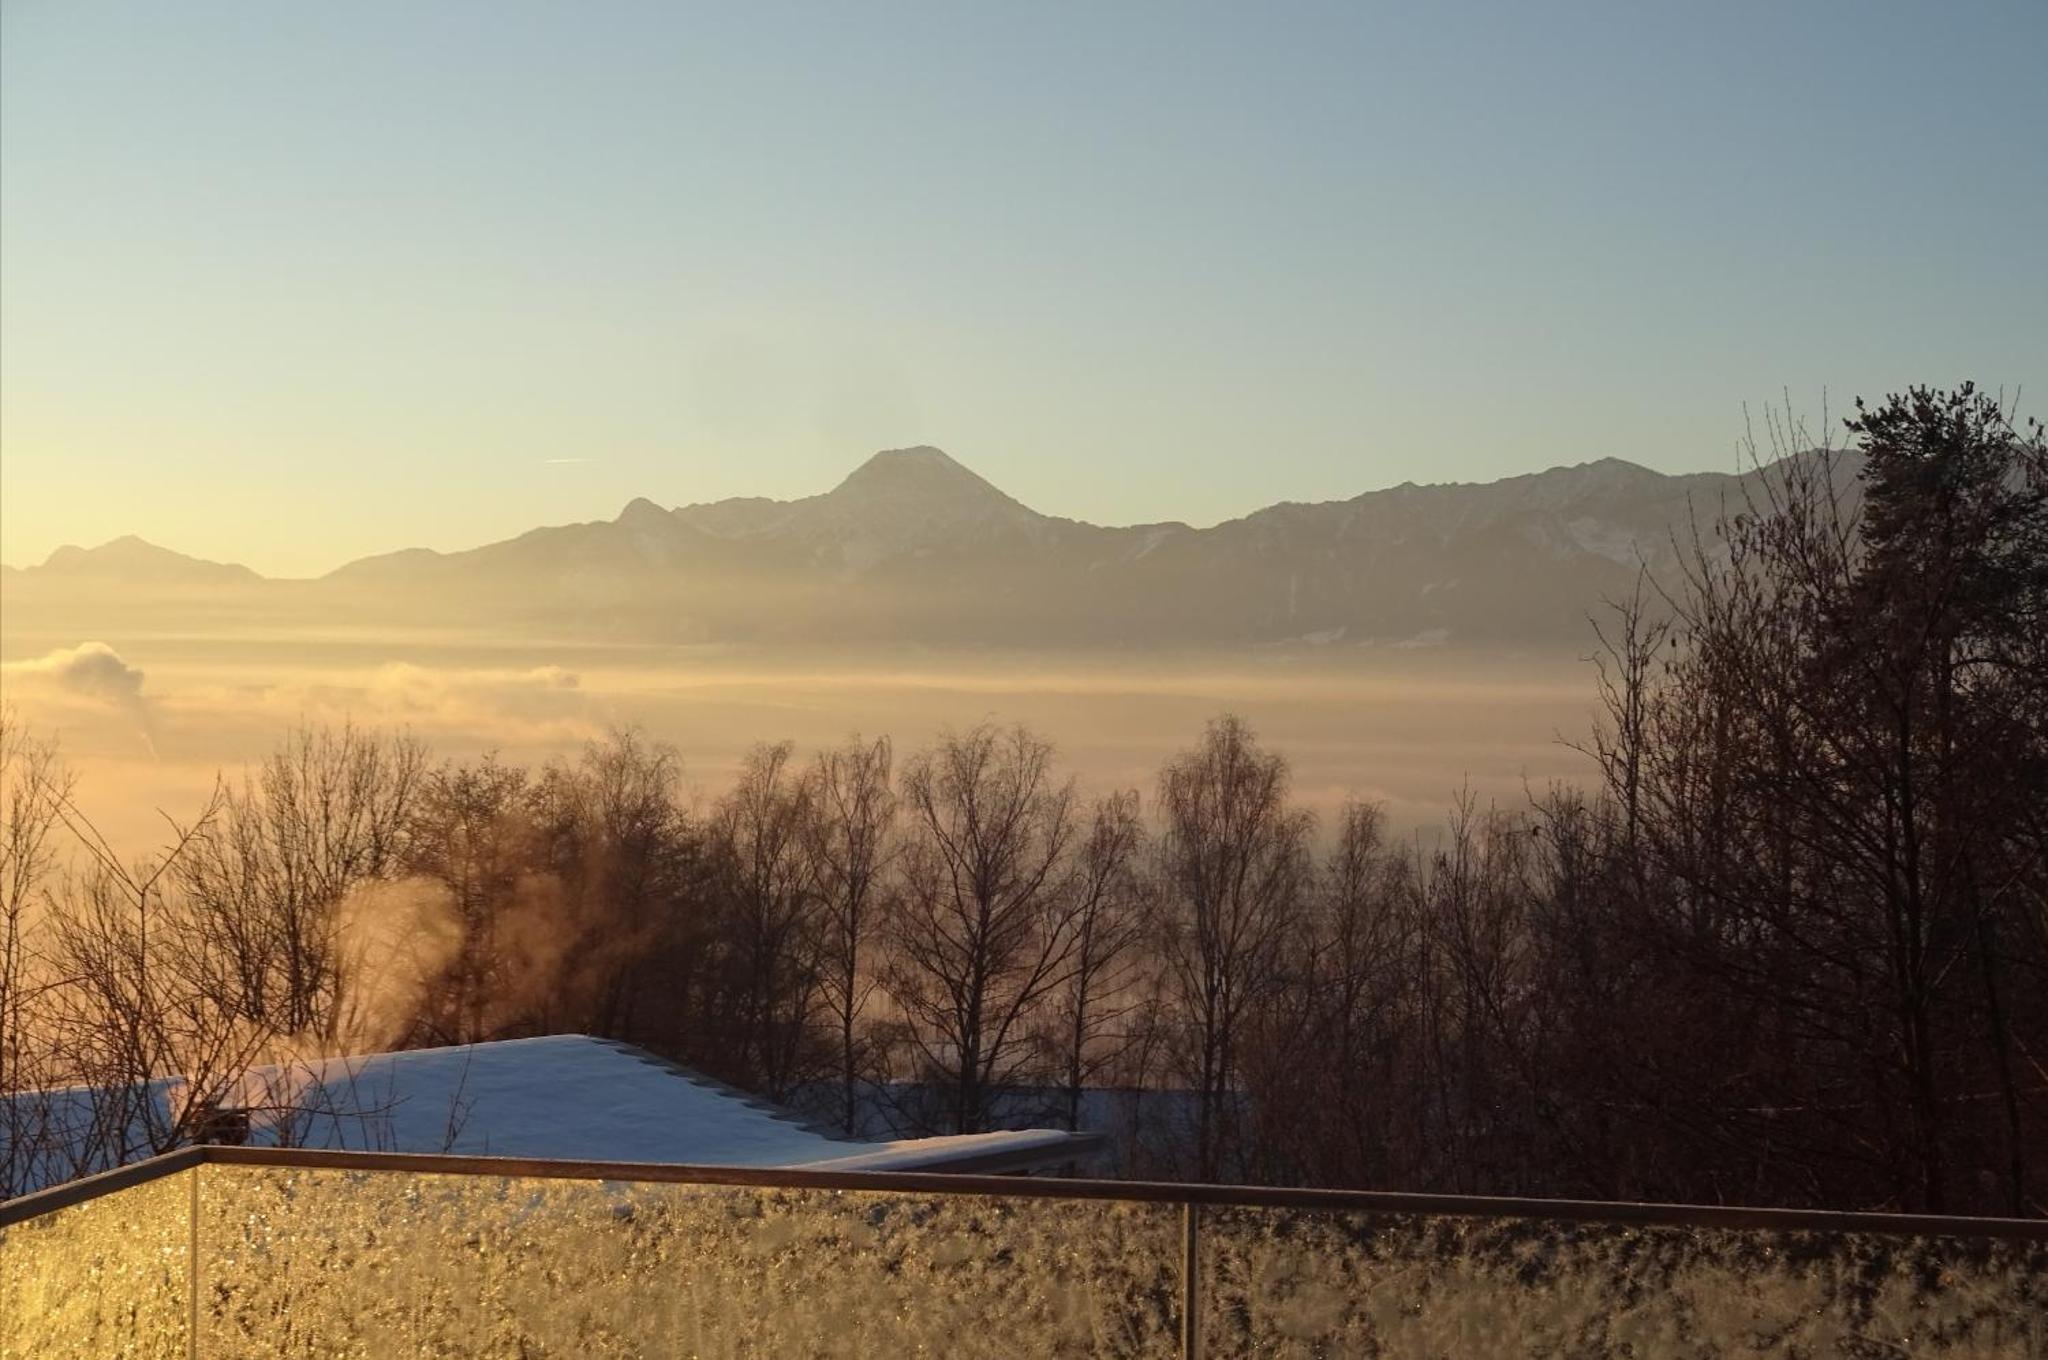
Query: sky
[(288, 285)]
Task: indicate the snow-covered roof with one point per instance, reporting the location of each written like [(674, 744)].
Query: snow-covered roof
[(565, 1096)]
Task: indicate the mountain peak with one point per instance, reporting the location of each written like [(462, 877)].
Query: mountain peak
[(922, 468), (132, 556), (916, 456), (642, 513), (127, 546)]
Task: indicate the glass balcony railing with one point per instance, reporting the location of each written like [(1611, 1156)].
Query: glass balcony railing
[(233, 1252)]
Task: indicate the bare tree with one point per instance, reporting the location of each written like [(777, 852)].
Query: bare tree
[(609, 927), (983, 929), (762, 834), (1631, 636), (330, 809), (35, 787), (473, 833), (1234, 866), (850, 854), (1473, 906), (1334, 1077), (139, 1000), (1099, 995)]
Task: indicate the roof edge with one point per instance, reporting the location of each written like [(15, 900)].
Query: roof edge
[(1007, 1152)]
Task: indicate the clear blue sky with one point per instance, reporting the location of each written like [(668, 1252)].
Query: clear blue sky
[(289, 284)]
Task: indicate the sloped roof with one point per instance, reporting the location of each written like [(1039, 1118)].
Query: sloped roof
[(565, 1096)]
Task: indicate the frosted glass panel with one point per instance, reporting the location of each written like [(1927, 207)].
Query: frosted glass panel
[(321, 1262), (305, 1262), (108, 1277), (1285, 1282)]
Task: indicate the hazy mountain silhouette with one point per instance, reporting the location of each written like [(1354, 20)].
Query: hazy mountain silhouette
[(914, 547), (133, 561)]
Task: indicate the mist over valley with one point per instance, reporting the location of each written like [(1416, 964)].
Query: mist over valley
[(1399, 646)]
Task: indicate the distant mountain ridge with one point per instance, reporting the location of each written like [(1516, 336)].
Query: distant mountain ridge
[(914, 547), (132, 559)]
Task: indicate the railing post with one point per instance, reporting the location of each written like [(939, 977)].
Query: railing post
[(192, 1266), (1190, 1281)]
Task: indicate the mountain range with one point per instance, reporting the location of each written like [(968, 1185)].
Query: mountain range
[(914, 547)]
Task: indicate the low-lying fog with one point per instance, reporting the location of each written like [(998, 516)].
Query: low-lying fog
[(147, 720)]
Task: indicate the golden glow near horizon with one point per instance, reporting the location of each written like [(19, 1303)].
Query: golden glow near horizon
[(292, 287)]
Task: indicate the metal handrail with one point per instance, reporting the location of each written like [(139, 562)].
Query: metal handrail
[(1381, 1202)]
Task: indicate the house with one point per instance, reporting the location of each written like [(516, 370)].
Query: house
[(566, 1096)]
